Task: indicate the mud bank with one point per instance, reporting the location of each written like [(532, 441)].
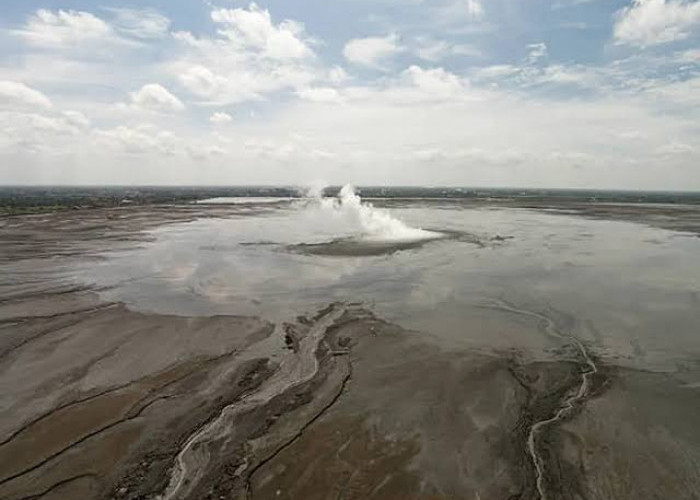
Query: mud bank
[(376, 413)]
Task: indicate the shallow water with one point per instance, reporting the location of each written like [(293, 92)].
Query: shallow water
[(630, 291)]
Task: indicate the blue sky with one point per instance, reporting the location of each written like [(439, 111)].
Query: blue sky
[(556, 93)]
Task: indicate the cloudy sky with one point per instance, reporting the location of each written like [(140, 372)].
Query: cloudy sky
[(546, 93)]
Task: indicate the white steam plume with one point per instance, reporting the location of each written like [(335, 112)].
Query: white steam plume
[(372, 224)]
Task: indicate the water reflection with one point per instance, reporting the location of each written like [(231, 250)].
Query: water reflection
[(631, 290)]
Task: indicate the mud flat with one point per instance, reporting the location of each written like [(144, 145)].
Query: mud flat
[(676, 217), (102, 402)]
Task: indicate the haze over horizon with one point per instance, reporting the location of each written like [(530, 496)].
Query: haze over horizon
[(564, 94)]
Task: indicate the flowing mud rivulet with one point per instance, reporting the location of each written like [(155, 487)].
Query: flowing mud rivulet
[(329, 348)]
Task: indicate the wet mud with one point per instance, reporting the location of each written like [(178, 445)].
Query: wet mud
[(102, 402)]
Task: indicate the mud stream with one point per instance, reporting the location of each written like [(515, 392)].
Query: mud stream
[(296, 368), (568, 405)]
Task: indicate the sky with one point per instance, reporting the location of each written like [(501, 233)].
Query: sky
[(513, 93)]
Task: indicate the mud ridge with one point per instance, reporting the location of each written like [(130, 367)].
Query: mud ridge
[(300, 433), (134, 412), (292, 372), (20, 319), (58, 485)]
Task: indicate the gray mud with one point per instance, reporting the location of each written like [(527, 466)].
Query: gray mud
[(99, 401), (351, 247)]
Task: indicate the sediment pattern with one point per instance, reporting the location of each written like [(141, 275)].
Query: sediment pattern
[(571, 402), (98, 401), (295, 369)]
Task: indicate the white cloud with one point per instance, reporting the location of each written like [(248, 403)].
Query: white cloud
[(53, 29), (293, 148), (220, 117), (338, 75), (253, 29), (453, 12), (684, 94), (504, 157), (413, 87), (653, 22), (434, 82), (203, 151), (250, 57), (474, 8), (35, 132), (155, 97), (138, 140), (203, 82), (239, 81), (432, 50), (496, 71), (676, 148), (536, 51), (568, 74), (372, 51), (527, 122), (77, 119), (320, 94), (14, 94), (140, 23)]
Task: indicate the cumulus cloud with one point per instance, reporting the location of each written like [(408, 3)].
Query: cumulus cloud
[(155, 97), (245, 80), (36, 132), (253, 29), (203, 82), (60, 28), (526, 121), (653, 22), (220, 117), (14, 94), (434, 82), (149, 140), (372, 51), (251, 56), (414, 86)]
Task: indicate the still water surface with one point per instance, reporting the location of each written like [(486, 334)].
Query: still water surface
[(630, 291)]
